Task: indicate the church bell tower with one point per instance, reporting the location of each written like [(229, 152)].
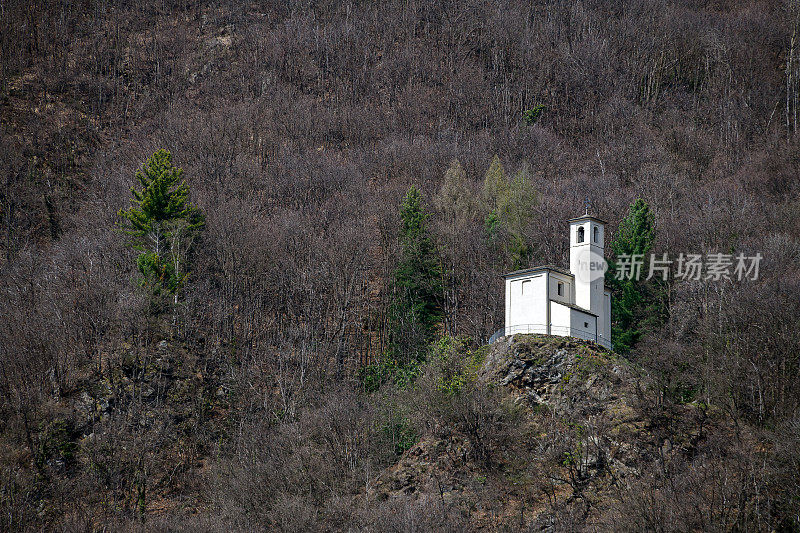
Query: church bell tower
[(586, 236)]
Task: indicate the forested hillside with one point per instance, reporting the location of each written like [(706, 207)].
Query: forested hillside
[(358, 176)]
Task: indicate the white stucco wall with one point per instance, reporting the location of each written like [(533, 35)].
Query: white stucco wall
[(528, 307), (604, 323), (568, 321), (582, 325), (560, 323)]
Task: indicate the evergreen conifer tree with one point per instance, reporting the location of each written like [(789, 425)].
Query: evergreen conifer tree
[(417, 309), (636, 305), (161, 224)]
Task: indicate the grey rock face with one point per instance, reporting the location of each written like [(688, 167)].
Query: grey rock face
[(533, 365)]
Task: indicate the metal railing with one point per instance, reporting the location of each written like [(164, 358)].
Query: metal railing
[(541, 329)]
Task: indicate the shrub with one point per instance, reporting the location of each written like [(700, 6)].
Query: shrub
[(387, 369), (530, 116), (449, 396)]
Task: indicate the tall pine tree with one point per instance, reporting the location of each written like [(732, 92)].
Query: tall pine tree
[(636, 303), (416, 310), (161, 224)]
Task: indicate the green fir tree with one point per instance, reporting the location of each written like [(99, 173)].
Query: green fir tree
[(416, 310), (161, 224), (636, 306)]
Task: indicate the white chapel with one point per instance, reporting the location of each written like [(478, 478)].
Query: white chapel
[(554, 301)]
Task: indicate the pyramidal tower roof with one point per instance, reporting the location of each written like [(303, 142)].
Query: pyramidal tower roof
[(587, 217)]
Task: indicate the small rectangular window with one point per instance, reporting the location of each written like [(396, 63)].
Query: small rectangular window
[(560, 289), (526, 287)]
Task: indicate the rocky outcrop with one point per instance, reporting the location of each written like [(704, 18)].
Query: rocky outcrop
[(582, 384), (584, 432), (543, 369)]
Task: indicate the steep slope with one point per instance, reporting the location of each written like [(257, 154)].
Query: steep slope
[(582, 438)]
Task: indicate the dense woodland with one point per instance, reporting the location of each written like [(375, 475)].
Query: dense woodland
[(300, 128)]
